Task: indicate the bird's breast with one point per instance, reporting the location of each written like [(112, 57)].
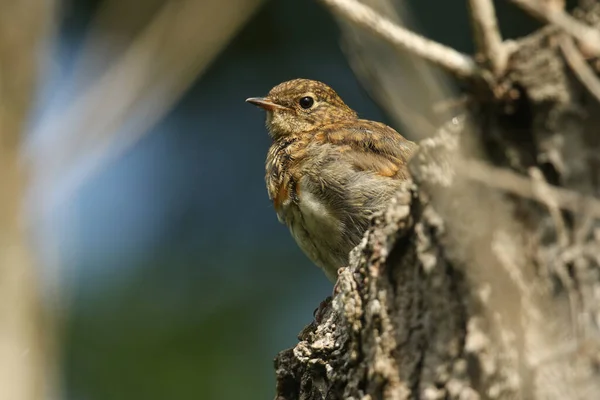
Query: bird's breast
[(299, 204), (315, 228), (317, 218)]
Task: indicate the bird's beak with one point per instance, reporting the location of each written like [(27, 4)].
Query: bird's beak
[(264, 103)]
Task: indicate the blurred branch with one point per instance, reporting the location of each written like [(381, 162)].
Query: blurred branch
[(487, 35), (550, 13), (580, 68), (512, 182), (139, 88), (113, 28), (388, 75), (547, 194), (24, 366), (445, 57)]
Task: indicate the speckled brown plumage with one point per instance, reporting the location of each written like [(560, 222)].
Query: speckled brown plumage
[(328, 171)]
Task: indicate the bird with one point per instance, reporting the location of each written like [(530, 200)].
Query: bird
[(327, 171)]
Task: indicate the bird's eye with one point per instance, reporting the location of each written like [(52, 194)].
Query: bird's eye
[(306, 102)]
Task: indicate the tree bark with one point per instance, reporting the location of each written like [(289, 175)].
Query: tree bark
[(477, 283)]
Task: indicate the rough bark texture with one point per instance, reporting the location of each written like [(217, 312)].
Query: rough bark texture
[(461, 290)]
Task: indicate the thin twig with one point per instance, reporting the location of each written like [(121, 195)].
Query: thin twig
[(376, 64), (445, 57), (588, 36), (509, 181), (542, 189), (580, 67), (487, 35)]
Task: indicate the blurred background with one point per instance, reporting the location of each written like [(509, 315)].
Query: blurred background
[(162, 263)]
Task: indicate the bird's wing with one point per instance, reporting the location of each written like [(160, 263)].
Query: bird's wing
[(370, 146), (361, 165)]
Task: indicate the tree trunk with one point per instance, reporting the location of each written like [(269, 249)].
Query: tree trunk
[(478, 282)]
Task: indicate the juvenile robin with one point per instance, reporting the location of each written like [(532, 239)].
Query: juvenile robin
[(328, 171)]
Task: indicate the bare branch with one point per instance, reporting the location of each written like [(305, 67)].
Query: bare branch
[(445, 57), (487, 35), (509, 181), (581, 69), (588, 36)]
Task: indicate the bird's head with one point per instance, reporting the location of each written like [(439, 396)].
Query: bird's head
[(301, 105)]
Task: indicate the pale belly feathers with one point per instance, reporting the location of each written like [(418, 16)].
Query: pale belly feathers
[(316, 230)]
